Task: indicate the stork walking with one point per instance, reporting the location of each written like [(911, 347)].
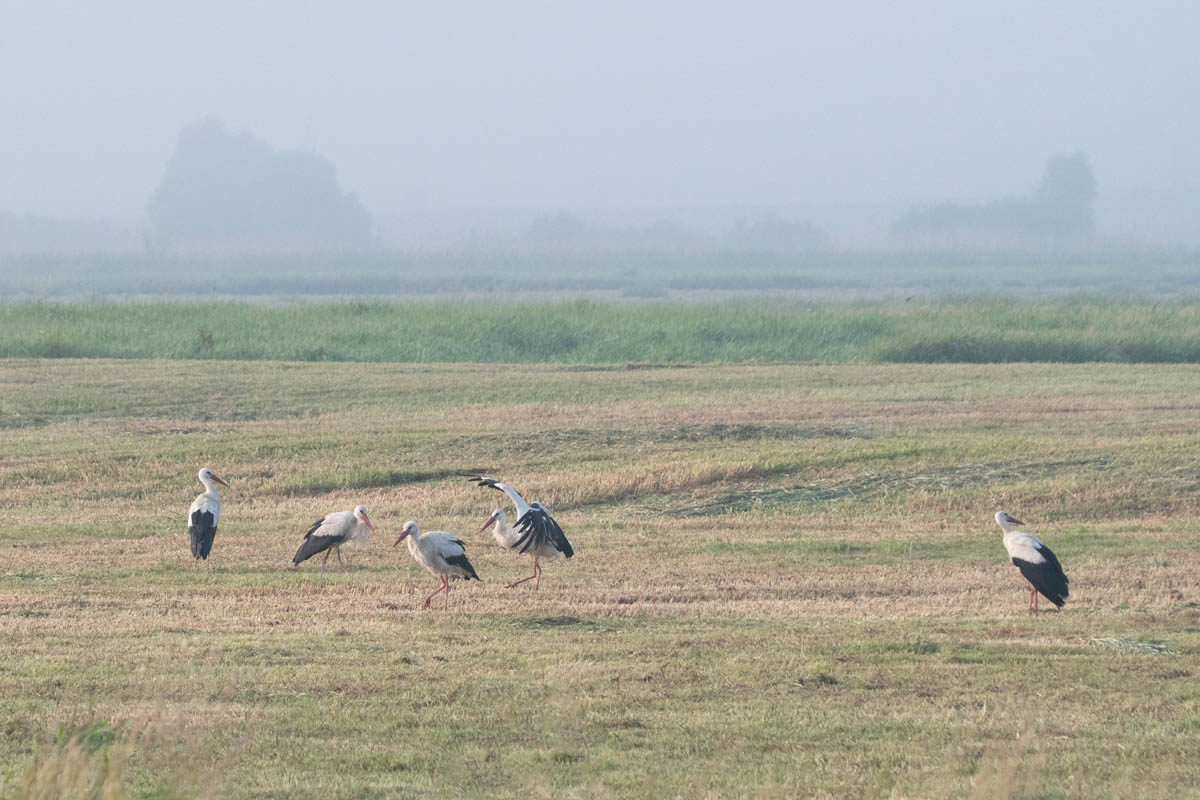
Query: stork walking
[(535, 533), (332, 531), (441, 553), (1037, 563), (203, 515)]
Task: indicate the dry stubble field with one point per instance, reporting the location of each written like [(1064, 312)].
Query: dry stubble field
[(787, 581)]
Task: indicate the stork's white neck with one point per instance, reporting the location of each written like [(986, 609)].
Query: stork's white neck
[(413, 540), (504, 535), (362, 531), (209, 486)]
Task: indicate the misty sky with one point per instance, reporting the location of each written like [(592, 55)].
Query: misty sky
[(603, 104)]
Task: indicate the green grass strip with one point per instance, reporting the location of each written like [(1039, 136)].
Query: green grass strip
[(962, 330)]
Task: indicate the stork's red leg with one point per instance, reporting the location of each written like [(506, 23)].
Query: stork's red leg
[(324, 561), (444, 587), (339, 552), (446, 599), (531, 577), (537, 570), (1035, 602)]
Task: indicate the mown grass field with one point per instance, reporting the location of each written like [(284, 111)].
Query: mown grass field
[(788, 582), (946, 330)]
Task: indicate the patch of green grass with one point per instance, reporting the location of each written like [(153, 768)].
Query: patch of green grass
[(365, 479), (980, 330)]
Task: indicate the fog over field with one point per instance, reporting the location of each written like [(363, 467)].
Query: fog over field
[(772, 125)]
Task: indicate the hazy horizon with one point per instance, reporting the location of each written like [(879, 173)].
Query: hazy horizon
[(833, 114)]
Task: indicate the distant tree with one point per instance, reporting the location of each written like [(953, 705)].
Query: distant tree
[(233, 190), (1066, 195), (1060, 209)]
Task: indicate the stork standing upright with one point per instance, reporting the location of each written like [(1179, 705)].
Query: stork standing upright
[(441, 553), (1037, 563), (535, 533), (331, 531), (203, 515)]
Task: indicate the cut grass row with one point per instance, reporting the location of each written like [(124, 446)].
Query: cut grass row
[(969, 330)]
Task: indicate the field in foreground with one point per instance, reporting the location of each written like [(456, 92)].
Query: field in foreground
[(787, 580)]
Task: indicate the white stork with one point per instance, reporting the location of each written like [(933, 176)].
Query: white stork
[(332, 531), (535, 533), (203, 515), (1037, 563), (441, 553)]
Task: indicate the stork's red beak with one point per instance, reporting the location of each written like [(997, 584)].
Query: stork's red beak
[(218, 480), (1015, 521), (367, 522), (401, 539), (488, 524)]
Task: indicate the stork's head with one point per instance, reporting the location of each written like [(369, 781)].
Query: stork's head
[(410, 529), (497, 516), (207, 475), (1005, 521), (360, 514)]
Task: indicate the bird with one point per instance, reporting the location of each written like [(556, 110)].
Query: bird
[(442, 553), (203, 515), (1037, 563), (331, 532), (535, 533)]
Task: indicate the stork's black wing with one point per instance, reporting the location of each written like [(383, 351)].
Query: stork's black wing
[(315, 544), (1052, 565), (1047, 577), (462, 563), (202, 529), (538, 528)]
